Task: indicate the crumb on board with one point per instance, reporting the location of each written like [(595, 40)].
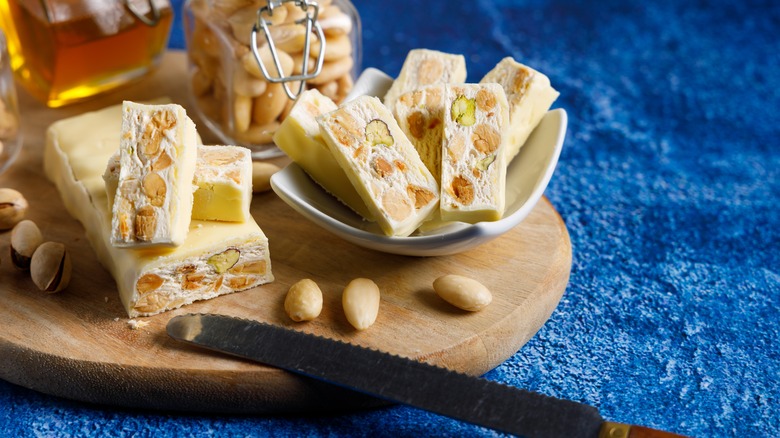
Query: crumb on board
[(135, 325)]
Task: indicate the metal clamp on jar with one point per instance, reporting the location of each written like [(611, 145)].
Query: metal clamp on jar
[(249, 60)]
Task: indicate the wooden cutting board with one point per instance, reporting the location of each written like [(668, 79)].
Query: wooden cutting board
[(78, 344)]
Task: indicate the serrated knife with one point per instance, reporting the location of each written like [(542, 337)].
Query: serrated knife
[(435, 389)]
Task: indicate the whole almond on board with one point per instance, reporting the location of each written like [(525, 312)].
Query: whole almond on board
[(360, 301), (303, 301), (462, 292)]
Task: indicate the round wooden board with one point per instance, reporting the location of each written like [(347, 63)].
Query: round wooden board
[(79, 345)]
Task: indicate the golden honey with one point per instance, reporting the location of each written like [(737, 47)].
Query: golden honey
[(63, 51)]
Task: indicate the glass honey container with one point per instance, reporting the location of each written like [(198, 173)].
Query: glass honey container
[(250, 59), (63, 51)]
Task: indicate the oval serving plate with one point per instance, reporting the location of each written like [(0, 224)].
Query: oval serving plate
[(527, 177)]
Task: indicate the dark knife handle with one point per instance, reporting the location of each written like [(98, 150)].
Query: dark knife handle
[(620, 430)]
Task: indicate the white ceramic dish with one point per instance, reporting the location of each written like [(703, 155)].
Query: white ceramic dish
[(527, 177)]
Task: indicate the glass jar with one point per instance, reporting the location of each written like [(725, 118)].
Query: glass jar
[(10, 134), (231, 93), (63, 51)]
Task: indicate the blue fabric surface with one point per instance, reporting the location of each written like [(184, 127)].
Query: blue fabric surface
[(668, 184)]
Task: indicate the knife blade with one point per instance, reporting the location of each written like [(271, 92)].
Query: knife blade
[(472, 399)]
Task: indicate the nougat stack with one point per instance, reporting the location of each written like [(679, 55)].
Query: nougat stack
[(222, 180), (215, 257)]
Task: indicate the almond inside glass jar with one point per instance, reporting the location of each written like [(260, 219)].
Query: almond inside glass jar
[(232, 95)]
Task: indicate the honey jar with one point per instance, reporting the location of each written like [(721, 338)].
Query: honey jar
[(63, 51), (250, 59)]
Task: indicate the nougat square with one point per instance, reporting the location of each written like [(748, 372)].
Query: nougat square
[(217, 257), (222, 180)]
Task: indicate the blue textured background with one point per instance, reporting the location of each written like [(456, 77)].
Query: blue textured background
[(668, 184)]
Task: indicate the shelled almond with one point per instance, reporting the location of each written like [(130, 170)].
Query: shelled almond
[(227, 81)]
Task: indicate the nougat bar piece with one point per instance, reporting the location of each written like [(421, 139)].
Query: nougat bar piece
[(473, 170), (382, 164), (157, 154), (222, 180), (529, 94), (216, 258), (420, 114), (426, 67), (299, 137)]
